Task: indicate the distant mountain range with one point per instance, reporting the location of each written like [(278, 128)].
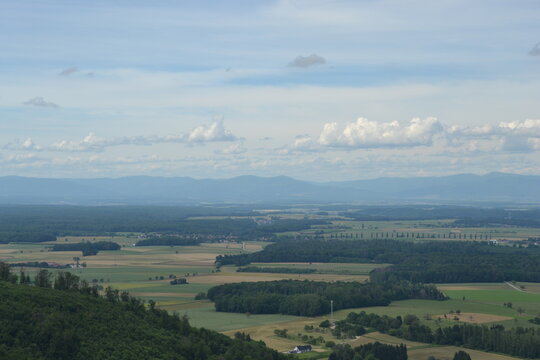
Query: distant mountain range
[(466, 188)]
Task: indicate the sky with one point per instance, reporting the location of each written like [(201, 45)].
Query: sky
[(319, 90)]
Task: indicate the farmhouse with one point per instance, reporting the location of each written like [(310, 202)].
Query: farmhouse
[(300, 349)]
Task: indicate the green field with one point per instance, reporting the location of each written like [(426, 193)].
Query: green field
[(327, 268), (144, 272), (394, 229)]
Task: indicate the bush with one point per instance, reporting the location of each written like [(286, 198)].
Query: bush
[(325, 324), (201, 296)]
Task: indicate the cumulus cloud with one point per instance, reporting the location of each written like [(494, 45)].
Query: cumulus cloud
[(364, 133), (535, 51), (514, 136), (234, 149), (27, 145), (40, 102), (89, 143), (68, 71), (307, 61), (510, 136), (303, 142), (214, 132)]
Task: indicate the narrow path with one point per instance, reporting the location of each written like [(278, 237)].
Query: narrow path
[(514, 286)]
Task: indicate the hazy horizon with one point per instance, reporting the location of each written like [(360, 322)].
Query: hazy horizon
[(267, 177)]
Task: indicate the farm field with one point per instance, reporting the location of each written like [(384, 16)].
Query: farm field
[(483, 304), (145, 272), (438, 228), (447, 353), (327, 268)]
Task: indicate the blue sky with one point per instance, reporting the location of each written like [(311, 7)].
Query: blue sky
[(318, 89)]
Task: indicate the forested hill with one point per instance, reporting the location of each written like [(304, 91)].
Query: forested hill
[(272, 190), (42, 323)]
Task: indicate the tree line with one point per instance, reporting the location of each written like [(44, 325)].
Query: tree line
[(275, 270), (312, 298), (426, 261), (88, 248), (464, 216), (26, 236), (518, 341), (39, 264), (62, 318), (169, 240)]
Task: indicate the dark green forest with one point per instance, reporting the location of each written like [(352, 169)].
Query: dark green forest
[(26, 236), (169, 240), (45, 223), (71, 321), (87, 248), (465, 216), (425, 262), (312, 298)]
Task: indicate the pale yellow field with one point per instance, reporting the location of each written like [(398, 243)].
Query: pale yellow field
[(383, 338), (227, 278), (529, 287), (494, 286), (266, 333), (447, 353)]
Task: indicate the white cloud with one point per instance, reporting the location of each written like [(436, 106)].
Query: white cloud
[(307, 61), (234, 149), (515, 136), (215, 132), (27, 145), (304, 143), (89, 143), (527, 127), (40, 102), (510, 136), (371, 134)]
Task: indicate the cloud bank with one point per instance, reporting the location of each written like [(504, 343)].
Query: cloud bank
[(364, 133), (214, 132), (512, 136)]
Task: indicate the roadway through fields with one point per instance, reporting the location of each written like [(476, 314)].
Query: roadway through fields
[(514, 286)]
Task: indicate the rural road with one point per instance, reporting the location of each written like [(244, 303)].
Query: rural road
[(514, 286)]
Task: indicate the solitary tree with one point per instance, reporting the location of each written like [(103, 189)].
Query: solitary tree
[(43, 279), (462, 355)]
